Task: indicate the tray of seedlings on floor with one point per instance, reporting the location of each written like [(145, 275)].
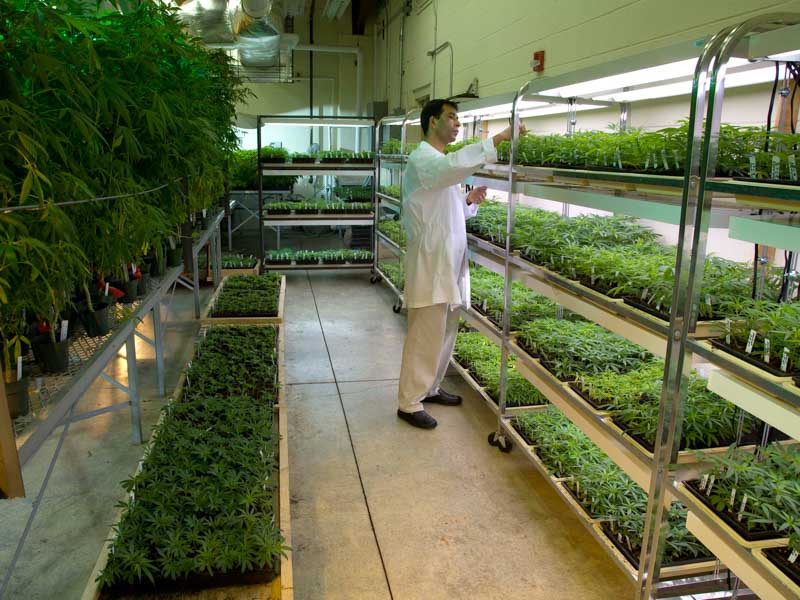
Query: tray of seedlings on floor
[(616, 258), (247, 300), (622, 382), (204, 509), (239, 264), (479, 362), (609, 503)]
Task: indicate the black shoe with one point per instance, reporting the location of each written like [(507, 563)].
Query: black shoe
[(444, 398), (419, 419)]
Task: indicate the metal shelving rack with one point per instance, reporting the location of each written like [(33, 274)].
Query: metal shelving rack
[(684, 201), (394, 163), (321, 169)]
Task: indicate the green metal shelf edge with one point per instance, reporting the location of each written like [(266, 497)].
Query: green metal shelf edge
[(773, 191)]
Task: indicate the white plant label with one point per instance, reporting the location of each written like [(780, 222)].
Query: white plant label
[(618, 158), (171, 241), (752, 166), (483, 305), (794, 556), (64, 329), (741, 507), (792, 167), (647, 164), (677, 160), (605, 159), (644, 294), (106, 290), (628, 541), (785, 359), (776, 167), (733, 497), (704, 482), (751, 339), (19, 368), (710, 484), (727, 331), (664, 160), (133, 268), (766, 350), (708, 300), (592, 274), (205, 211)]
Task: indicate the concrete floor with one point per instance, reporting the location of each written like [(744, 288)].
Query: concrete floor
[(379, 509)]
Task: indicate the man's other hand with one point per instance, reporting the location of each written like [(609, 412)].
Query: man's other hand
[(477, 195)]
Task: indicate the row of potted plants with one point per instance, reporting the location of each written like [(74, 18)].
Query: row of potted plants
[(243, 173), (395, 272), (202, 508), (392, 191), (318, 207), (481, 358), (604, 491), (744, 152), (394, 230), (392, 147), (128, 103), (238, 261), (315, 257), (278, 154), (353, 193), (758, 496), (248, 296)]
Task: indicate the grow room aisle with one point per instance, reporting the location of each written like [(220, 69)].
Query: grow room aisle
[(383, 510)]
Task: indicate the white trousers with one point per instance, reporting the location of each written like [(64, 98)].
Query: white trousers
[(429, 344)]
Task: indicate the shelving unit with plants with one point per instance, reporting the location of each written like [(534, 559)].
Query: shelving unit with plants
[(202, 537), (332, 164), (650, 416)]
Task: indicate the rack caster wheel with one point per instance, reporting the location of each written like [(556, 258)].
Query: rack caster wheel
[(500, 442), (493, 439), (374, 279), (397, 308)]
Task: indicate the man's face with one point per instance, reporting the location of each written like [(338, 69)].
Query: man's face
[(446, 125)]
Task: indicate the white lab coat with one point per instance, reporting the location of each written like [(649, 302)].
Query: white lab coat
[(434, 215)]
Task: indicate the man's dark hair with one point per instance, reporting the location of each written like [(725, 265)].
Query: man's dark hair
[(433, 108)]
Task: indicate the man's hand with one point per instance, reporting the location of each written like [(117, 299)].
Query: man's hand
[(477, 195), (505, 135)]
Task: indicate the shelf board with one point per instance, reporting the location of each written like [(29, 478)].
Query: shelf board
[(480, 323), (764, 195), (725, 545), (340, 169), (771, 410), (777, 231), (475, 386), (269, 267), (390, 243), (318, 220)]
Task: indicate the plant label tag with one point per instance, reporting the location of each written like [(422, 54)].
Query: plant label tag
[(618, 158), (727, 331), (677, 160), (704, 482), (205, 211), (792, 167), (644, 294), (776, 167), (741, 507), (483, 305), (605, 159), (766, 350), (647, 163), (751, 339), (733, 497), (133, 268), (664, 160), (171, 241), (708, 300), (794, 556), (785, 359), (752, 158), (592, 274), (64, 329), (710, 484), (19, 368)]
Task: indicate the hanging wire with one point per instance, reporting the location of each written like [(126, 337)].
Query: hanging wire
[(7, 209), (772, 104)]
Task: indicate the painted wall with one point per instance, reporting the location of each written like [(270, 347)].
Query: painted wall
[(494, 42)]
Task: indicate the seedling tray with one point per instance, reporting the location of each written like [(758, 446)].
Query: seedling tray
[(729, 519), (750, 359), (780, 558), (576, 387), (206, 319)]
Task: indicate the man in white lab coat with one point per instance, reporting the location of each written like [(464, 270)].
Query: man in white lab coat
[(437, 269)]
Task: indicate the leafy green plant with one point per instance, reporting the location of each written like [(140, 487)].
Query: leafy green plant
[(274, 154), (204, 498), (395, 272), (391, 147), (238, 261), (394, 231), (391, 190), (248, 296)]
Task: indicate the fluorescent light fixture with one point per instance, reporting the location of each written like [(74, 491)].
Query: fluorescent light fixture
[(318, 122), (682, 88), (792, 56), (590, 89)]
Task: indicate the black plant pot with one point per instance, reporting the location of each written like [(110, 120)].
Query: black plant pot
[(97, 323), (52, 357), (131, 289), (174, 256), (17, 398), (144, 285)]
